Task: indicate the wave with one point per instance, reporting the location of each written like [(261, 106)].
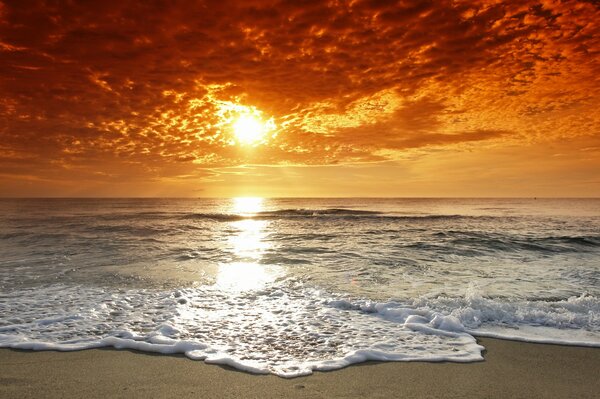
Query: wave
[(320, 212), (571, 321), (329, 213), (97, 219), (284, 214), (287, 331), (475, 241)]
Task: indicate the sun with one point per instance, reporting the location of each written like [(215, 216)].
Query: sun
[(248, 130)]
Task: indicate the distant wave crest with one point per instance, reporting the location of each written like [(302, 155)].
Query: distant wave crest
[(323, 213)]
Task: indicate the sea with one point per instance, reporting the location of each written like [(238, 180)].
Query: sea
[(291, 286)]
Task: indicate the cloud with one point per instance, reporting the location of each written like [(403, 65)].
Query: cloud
[(136, 90)]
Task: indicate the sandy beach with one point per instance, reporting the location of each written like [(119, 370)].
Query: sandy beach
[(510, 369)]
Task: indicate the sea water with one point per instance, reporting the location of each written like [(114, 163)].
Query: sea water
[(288, 286)]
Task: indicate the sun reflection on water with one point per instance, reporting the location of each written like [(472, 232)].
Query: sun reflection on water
[(249, 241), (248, 244), (247, 205), (244, 276)]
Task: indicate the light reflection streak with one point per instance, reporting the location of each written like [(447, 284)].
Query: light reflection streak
[(247, 206), (248, 245)]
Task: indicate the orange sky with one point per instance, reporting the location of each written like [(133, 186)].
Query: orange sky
[(364, 98)]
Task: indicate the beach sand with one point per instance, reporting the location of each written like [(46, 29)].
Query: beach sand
[(510, 370)]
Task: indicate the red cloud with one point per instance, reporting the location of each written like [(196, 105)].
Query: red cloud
[(133, 89)]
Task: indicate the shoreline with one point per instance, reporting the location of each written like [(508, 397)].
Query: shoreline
[(510, 369)]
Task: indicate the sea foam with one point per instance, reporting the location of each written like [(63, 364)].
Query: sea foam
[(574, 321), (288, 331)]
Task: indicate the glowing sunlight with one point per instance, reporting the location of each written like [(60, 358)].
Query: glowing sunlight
[(247, 205), (244, 276), (247, 244), (248, 129)]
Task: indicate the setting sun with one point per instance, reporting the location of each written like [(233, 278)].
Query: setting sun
[(248, 129)]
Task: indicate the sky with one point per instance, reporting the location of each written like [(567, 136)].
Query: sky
[(300, 98)]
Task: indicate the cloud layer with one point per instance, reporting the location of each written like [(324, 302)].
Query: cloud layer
[(144, 91)]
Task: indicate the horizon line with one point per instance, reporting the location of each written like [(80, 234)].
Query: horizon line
[(291, 197)]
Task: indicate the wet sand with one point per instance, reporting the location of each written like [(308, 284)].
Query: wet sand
[(510, 370)]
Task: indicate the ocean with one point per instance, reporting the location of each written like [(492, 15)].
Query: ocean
[(289, 286)]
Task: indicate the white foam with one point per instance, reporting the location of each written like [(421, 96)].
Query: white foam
[(540, 334), (574, 321), (288, 331)]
